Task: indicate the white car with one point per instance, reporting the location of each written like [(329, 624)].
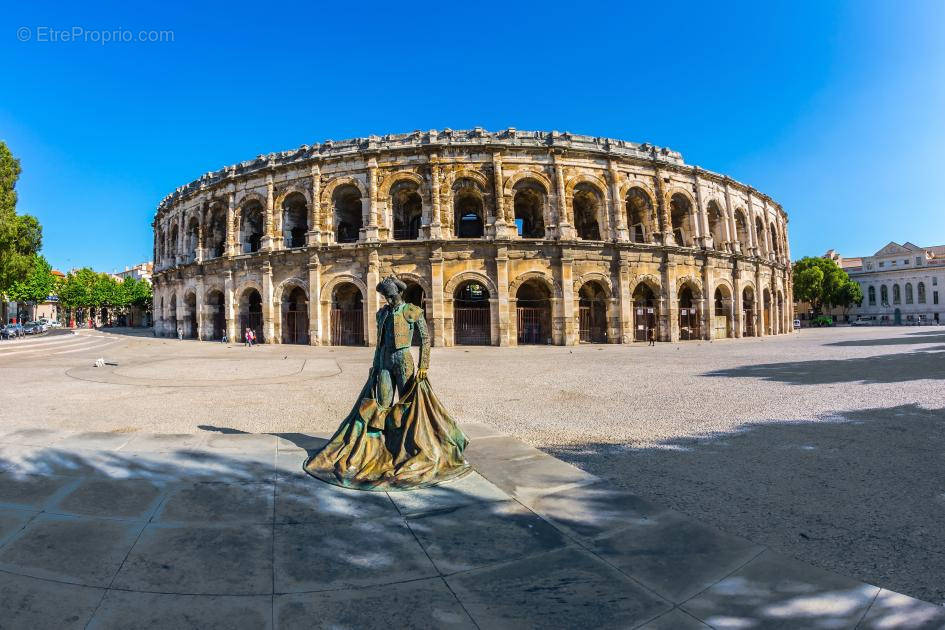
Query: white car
[(862, 321)]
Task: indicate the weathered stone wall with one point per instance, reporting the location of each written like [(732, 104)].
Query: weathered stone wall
[(440, 208)]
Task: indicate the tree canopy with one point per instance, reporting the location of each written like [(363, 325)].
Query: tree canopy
[(20, 235), (38, 284), (822, 283), (84, 288)]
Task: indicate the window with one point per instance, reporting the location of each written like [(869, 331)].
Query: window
[(897, 298), (884, 295), (906, 261), (872, 296), (908, 293), (921, 288), (918, 260), (882, 264), (934, 297), (893, 263), (934, 281), (869, 266)]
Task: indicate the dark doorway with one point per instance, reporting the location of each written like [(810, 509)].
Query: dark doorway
[(593, 313), (471, 315)]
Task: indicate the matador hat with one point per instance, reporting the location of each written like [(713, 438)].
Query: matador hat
[(390, 286)]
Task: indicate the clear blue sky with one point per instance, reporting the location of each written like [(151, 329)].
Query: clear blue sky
[(836, 109)]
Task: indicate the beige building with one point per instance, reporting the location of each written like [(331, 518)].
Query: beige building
[(141, 271), (901, 284), (503, 238)]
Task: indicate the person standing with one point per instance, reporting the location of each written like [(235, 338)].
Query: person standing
[(180, 333), (651, 333), (248, 338)]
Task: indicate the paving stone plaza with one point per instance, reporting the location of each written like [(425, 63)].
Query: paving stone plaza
[(790, 481)]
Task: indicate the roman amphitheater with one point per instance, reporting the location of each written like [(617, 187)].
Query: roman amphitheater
[(504, 238)]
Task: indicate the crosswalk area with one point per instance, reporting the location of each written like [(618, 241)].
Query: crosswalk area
[(55, 345)]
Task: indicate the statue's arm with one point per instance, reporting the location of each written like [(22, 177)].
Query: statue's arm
[(424, 342)]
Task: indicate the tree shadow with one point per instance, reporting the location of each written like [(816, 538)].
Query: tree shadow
[(861, 493), (891, 368), (930, 336)]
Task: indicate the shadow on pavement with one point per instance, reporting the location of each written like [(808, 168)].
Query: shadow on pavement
[(925, 336), (862, 494), (889, 368)]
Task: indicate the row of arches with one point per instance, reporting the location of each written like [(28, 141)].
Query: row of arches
[(473, 310), (409, 206), (897, 294)]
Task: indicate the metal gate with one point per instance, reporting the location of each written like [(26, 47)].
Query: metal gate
[(533, 325), (218, 321), (645, 320), (471, 326), (253, 321), (593, 324), (295, 327), (689, 327), (767, 318), (347, 327)]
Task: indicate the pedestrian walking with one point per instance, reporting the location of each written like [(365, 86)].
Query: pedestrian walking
[(248, 337), (651, 333), (180, 333), (223, 338)]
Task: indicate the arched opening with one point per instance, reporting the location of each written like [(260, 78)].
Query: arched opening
[(760, 234), (909, 293), (533, 313), (897, 296), (347, 315), (640, 215), (471, 315), (742, 232), (294, 316), (215, 235), (174, 245), (586, 204), (190, 324), (172, 320), (921, 292), (689, 322), (346, 204), (592, 305), (871, 295), (294, 220), (414, 294), (884, 295), (646, 314), (216, 315), (775, 242), (680, 214), (251, 227), (467, 210), (748, 312), (407, 208), (767, 319), (192, 239), (251, 315), (723, 312), (716, 224), (529, 203)]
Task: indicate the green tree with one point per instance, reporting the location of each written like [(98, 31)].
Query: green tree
[(38, 284), (822, 283), (76, 290), (20, 235)]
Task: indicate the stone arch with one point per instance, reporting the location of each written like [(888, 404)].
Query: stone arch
[(694, 283), (290, 283), (640, 211), (293, 188), (417, 279), (684, 223), (742, 228), (329, 189), (585, 178), (717, 221), (550, 283), (650, 280), (466, 173), (329, 286), (247, 197), (595, 276), (530, 205), (245, 286), (512, 180), (725, 284), (383, 191), (463, 276), (627, 184)]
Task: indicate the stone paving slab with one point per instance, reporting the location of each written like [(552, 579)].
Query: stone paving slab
[(225, 530)]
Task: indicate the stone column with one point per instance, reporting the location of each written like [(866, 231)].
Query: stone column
[(701, 223), (432, 227), (372, 299), (371, 230), (619, 231), (232, 231), (569, 331), (314, 235), (662, 207), (315, 335), (269, 328), (566, 229), (230, 307), (769, 249), (708, 300), (752, 230), (268, 240), (625, 325), (501, 228), (759, 302), (437, 307), (502, 287), (739, 325), (199, 315), (730, 231), (669, 328)]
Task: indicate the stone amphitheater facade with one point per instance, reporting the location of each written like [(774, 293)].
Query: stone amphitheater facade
[(504, 238)]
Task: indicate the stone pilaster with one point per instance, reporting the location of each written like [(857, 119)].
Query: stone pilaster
[(269, 238), (436, 301), (269, 309), (566, 231), (505, 328), (232, 225), (372, 299), (625, 303), (316, 337), (620, 232), (432, 227), (662, 208), (371, 230), (569, 330), (669, 307), (314, 235)]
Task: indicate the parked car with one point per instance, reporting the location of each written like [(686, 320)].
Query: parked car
[(31, 328), (822, 321), (862, 321), (12, 331)]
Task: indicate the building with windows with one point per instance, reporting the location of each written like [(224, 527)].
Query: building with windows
[(902, 284), (504, 238)]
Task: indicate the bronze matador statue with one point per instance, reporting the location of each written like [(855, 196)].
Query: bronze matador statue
[(388, 445)]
